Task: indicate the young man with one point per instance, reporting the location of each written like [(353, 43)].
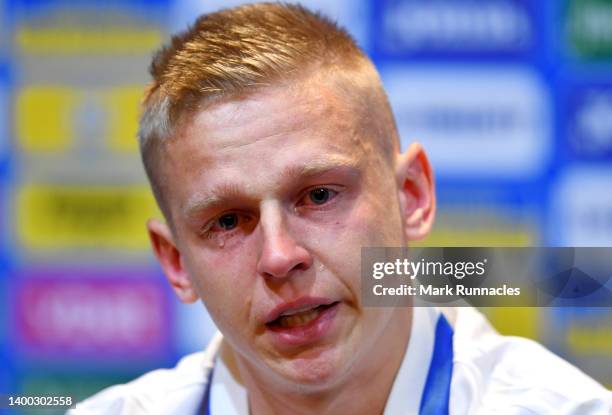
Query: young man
[(274, 156)]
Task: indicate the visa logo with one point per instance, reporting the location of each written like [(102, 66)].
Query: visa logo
[(457, 26)]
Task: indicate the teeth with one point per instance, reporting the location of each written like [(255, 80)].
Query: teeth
[(299, 318), (298, 310)]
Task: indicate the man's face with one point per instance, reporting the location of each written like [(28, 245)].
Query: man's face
[(272, 198)]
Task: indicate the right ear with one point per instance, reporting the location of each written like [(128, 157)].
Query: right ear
[(170, 260)]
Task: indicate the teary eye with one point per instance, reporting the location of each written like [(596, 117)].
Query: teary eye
[(228, 221), (227, 224), (319, 195)]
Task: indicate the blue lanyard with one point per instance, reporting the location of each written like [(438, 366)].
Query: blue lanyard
[(204, 408), (436, 392)]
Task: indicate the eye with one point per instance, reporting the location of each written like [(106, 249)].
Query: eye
[(318, 196), (228, 222)]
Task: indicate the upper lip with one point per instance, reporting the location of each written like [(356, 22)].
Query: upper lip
[(295, 305)]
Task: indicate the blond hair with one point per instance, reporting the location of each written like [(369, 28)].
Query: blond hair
[(233, 52)]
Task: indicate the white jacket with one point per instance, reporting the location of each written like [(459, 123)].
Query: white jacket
[(491, 374)]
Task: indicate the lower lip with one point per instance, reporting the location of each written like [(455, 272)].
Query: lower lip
[(308, 333)]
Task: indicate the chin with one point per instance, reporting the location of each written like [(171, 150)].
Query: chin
[(314, 372)]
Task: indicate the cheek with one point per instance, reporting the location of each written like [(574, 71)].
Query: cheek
[(372, 219), (225, 280), (374, 222)]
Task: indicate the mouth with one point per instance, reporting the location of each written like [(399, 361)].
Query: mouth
[(302, 325), (299, 317)]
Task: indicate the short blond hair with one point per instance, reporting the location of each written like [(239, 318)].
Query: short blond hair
[(234, 52)]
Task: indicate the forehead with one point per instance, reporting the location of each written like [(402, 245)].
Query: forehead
[(255, 141), (289, 108)]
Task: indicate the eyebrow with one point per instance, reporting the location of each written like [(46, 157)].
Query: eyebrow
[(215, 197), (319, 166), (226, 191)]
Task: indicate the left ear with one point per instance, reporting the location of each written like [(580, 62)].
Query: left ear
[(416, 189)]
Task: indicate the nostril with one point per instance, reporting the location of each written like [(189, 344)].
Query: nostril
[(301, 267)]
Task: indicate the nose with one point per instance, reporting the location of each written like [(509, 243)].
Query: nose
[(281, 254)]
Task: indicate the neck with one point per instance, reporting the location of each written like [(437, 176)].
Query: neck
[(364, 390)]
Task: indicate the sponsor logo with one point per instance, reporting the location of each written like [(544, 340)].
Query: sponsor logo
[(61, 217), (84, 41), (474, 121), (456, 27), (92, 316), (56, 118), (584, 208), (589, 29), (591, 122)]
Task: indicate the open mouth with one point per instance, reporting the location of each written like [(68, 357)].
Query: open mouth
[(299, 317)]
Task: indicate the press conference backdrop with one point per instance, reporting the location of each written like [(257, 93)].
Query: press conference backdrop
[(511, 98)]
